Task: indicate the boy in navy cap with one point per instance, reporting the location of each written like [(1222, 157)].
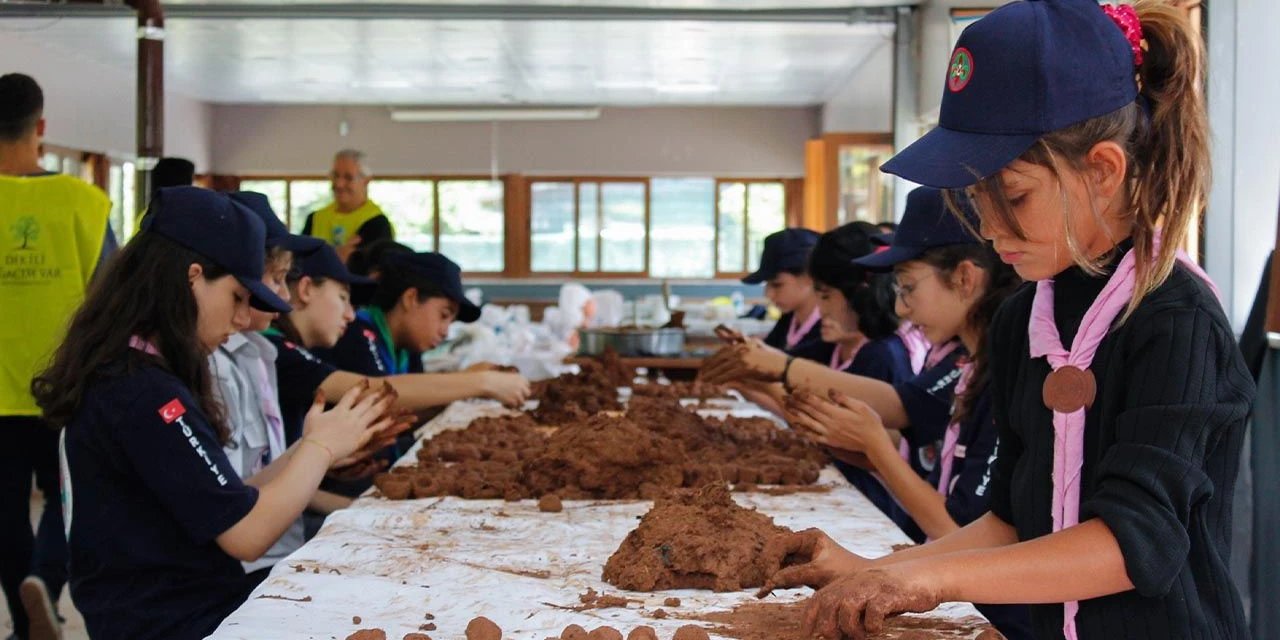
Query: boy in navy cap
[(158, 520), (782, 269)]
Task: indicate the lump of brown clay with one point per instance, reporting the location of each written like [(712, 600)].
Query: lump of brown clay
[(394, 486), (482, 628), (416, 636), (695, 540), (990, 634), (355, 619), (368, 634), (604, 633), (671, 602), (691, 632), (550, 503), (642, 633), (574, 632), (659, 614)]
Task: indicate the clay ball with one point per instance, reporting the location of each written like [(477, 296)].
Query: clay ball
[(605, 633), (642, 633), (574, 632), (550, 503), (671, 602), (691, 632), (483, 628), (368, 634)]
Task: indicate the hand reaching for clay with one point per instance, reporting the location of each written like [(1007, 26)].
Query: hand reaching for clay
[(857, 605), (729, 336), (358, 416), (748, 360), (808, 558), (839, 422), (511, 389)]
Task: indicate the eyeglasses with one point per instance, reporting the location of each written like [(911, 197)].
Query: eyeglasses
[(906, 290)]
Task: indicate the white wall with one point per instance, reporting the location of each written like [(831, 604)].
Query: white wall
[(90, 101), (865, 101), (1244, 99), (744, 141)]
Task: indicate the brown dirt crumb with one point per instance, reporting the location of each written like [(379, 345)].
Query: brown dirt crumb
[(574, 632), (775, 621), (672, 602), (691, 632), (429, 616), (482, 628), (368, 634), (430, 626), (659, 614), (355, 619), (604, 633), (643, 633), (550, 503)]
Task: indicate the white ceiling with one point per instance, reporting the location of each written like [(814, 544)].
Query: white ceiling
[(487, 62)]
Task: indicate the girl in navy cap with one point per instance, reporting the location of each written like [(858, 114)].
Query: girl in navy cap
[(951, 290), (1080, 133), (157, 519), (918, 409), (789, 287)]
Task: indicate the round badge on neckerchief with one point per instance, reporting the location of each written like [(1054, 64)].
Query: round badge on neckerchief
[(1069, 389)]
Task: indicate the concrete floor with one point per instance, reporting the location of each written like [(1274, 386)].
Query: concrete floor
[(74, 627)]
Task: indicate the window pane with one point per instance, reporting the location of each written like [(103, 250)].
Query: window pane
[(115, 191), (306, 196), (472, 223), (551, 226), (275, 191), (128, 198), (51, 162), (766, 214), (588, 226), (684, 229), (409, 205), (732, 203), (622, 237)]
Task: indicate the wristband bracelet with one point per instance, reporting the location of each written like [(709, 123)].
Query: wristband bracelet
[(785, 371), (321, 445)]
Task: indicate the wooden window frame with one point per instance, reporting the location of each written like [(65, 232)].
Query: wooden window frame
[(577, 182), (746, 221)]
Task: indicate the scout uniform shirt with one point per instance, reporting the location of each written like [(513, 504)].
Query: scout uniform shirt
[(146, 492), (810, 347), (1162, 448), (368, 349), (300, 374)]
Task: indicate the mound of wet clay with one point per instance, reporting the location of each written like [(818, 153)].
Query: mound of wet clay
[(775, 621), (483, 628), (695, 540), (368, 634), (679, 390), (575, 396), (657, 445)]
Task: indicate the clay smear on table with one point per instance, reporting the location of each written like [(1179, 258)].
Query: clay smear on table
[(777, 621), (695, 540)]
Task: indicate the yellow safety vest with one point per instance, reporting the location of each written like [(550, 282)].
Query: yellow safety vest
[(335, 228), (51, 232)]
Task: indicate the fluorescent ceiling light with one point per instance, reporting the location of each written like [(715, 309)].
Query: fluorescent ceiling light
[(689, 87), (491, 115)]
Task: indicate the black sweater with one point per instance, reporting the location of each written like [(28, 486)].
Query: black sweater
[(1162, 448)]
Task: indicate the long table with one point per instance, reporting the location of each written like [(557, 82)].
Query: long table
[(395, 563)]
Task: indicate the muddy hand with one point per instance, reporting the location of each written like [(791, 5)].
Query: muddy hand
[(808, 558), (729, 336), (858, 605)]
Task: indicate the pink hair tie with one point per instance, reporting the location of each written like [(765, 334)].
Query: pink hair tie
[(1127, 19)]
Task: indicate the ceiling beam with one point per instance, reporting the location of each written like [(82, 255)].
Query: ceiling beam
[(362, 11)]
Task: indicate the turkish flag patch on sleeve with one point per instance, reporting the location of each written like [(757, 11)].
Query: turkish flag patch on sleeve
[(172, 411)]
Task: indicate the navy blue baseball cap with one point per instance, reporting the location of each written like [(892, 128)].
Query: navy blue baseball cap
[(1024, 70), (440, 271), (277, 234), (926, 224), (220, 229), (323, 262), (786, 250)]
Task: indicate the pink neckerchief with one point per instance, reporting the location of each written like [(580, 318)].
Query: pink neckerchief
[(1068, 428), (951, 448), (933, 358), (796, 333), (270, 405), (917, 346), (142, 344), (841, 365)]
